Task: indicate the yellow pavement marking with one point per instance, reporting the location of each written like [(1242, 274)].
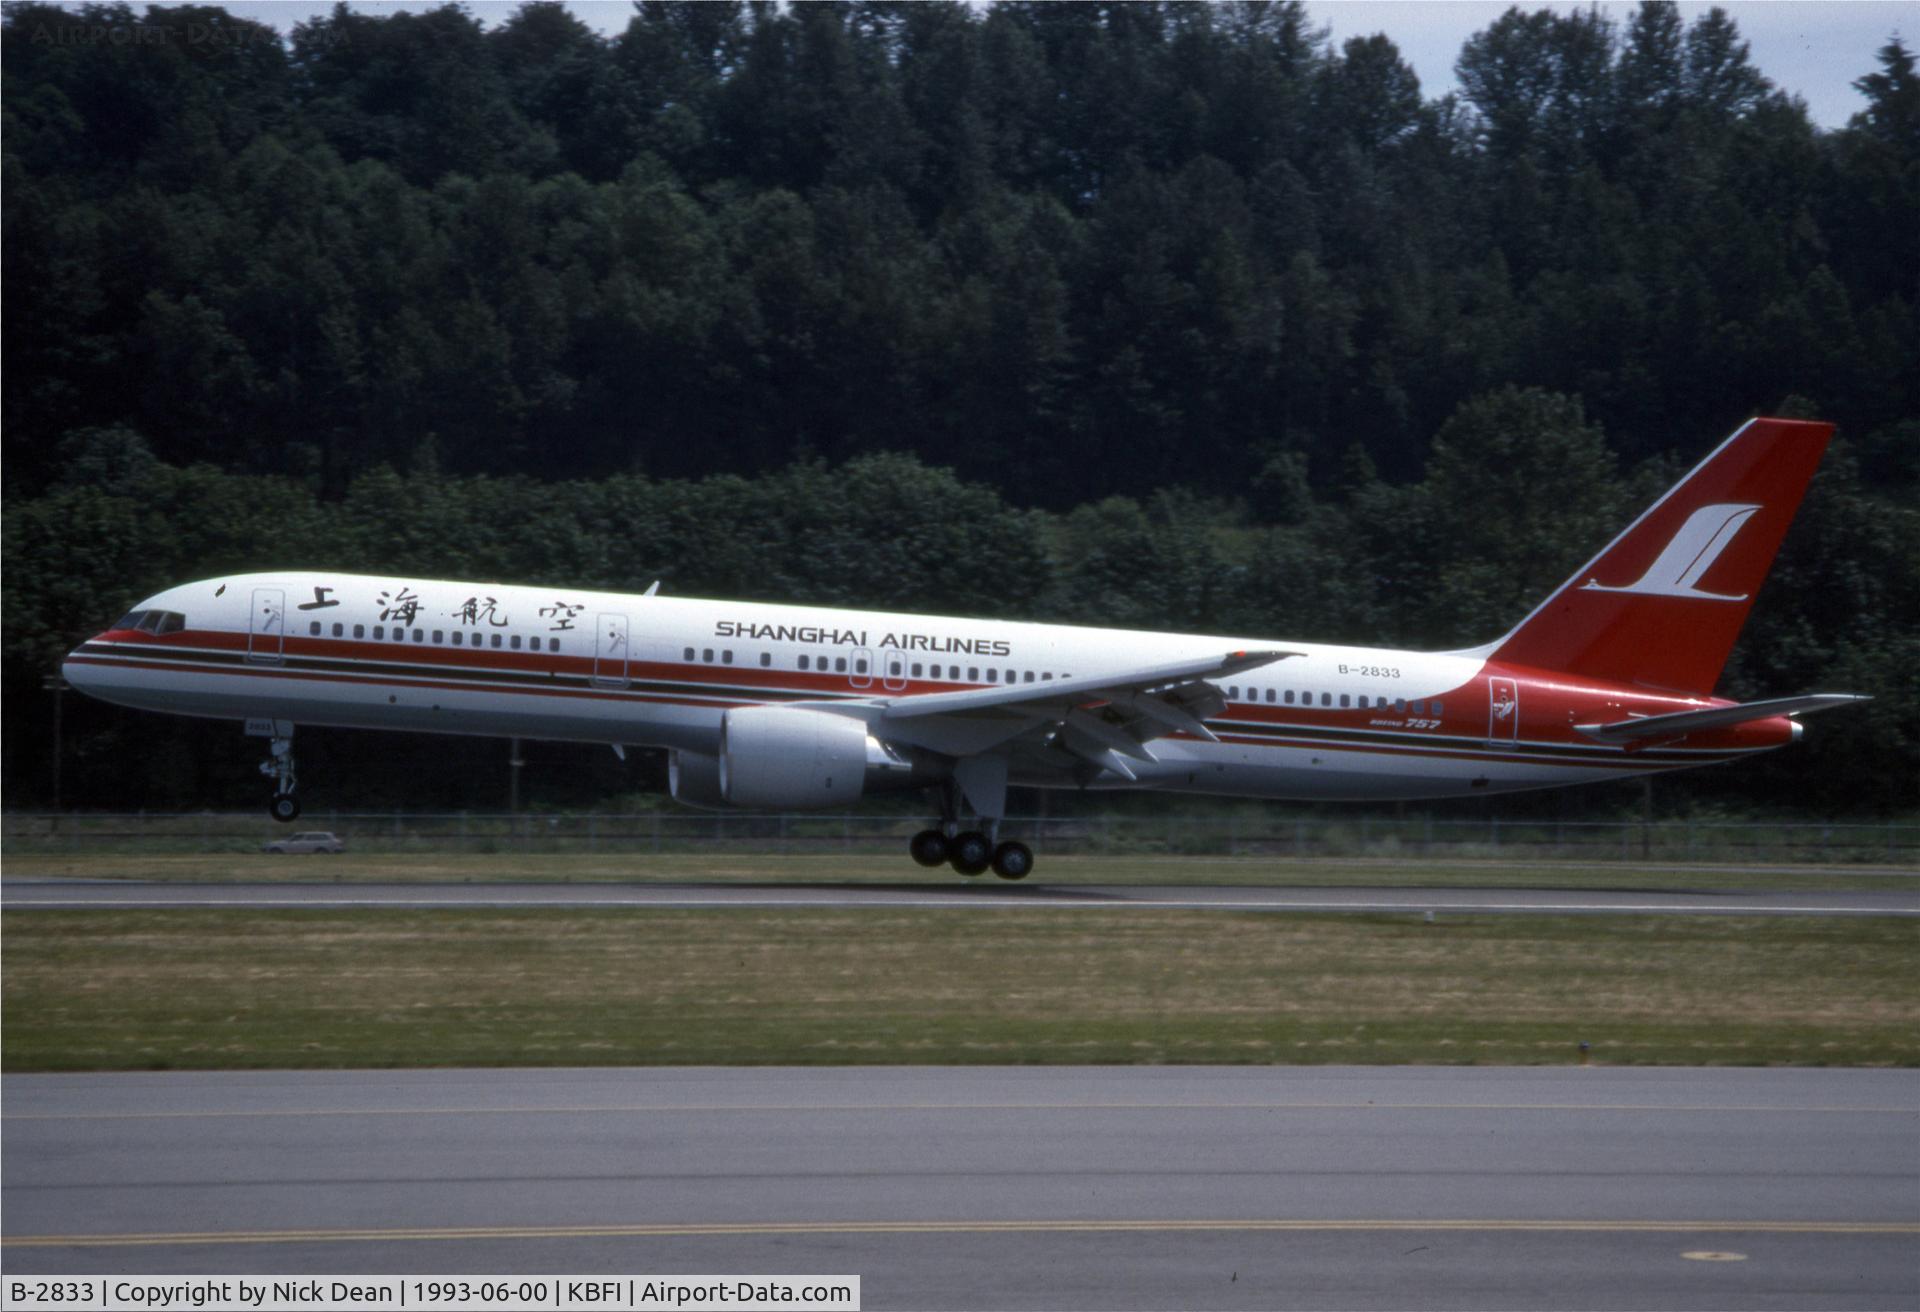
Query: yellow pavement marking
[(779, 1228), (665, 1108)]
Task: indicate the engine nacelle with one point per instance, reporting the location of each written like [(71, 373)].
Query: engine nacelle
[(781, 756), (694, 779)]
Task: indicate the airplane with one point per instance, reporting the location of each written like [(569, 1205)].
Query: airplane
[(791, 707)]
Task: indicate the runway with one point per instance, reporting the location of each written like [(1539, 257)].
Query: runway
[(992, 896), (1252, 1187)]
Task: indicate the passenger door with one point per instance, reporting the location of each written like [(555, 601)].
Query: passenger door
[(267, 627), (610, 651), (1503, 712)]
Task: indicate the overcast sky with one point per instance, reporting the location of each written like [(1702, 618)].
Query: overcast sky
[(1811, 48)]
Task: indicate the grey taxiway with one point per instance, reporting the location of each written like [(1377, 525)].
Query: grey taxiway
[(1902, 899), (1002, 1188)]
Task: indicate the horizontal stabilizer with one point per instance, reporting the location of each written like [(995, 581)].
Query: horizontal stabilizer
[(1715, 717)]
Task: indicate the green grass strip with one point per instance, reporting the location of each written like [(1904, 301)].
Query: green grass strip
[(121, 990)]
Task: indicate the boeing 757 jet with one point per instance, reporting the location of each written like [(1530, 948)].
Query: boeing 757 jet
[(780, 707)]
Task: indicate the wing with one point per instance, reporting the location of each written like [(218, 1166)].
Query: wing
[(1099, 720)]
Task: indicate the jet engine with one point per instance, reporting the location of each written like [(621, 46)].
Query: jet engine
[(781, 756)]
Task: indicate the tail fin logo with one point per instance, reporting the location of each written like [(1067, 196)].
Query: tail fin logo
[(1708, 532)]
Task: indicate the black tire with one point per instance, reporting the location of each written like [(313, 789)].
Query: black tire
[(930, 848), (971, 853), (285, 808), (1013, 860)]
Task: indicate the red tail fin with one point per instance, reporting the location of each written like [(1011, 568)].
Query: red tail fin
[(1662, 604)]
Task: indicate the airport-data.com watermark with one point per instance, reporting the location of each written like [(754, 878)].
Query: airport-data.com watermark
[(452, 1293)]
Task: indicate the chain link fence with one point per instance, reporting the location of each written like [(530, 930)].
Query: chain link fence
[(1891, 843)]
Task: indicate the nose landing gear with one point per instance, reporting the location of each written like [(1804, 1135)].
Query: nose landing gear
[(278, 766)]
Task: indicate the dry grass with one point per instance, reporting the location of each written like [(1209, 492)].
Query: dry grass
[(116, 990)]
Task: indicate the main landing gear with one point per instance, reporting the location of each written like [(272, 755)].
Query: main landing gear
[(969, 851), (278, 766)]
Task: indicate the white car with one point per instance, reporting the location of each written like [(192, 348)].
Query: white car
[(317, 841)]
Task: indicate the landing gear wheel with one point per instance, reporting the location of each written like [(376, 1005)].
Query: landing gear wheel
[(1013, 860), (284, 808), (930, 847), (972, 852)]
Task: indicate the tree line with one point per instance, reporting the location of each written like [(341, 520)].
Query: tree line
[(1172, 315), (1072, 250)]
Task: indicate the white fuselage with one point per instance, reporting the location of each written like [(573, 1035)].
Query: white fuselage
[(374, 652)]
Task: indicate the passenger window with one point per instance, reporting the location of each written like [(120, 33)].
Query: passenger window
[(439, 635), (1436, 710), (553, 644), (840, 664), (1363, 701), (1343, 701), (766, 659), (1289, 697), (859, 665), (457, 639), (1046, 676), (726, 657), (380, 632), (973, 674), (314, 628), (993, 675), (339, 630), (916, 669), (803, 662), (1029, 677), (1399, 706), (1326, 699), (1270, 697), (1233, 692), (687, 655), (496, 641), (514, 642), (419, 635), (706, 654), (360, 631)]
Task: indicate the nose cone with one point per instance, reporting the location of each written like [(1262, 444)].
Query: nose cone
[(78, 668)]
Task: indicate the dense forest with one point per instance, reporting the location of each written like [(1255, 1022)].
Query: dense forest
[(1157, 314)]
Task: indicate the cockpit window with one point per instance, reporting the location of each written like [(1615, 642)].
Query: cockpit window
[(152, 621)]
